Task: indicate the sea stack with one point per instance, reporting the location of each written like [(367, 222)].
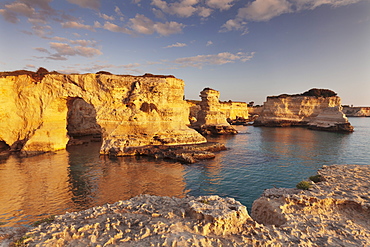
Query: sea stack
[(318, 109), (210, 119)]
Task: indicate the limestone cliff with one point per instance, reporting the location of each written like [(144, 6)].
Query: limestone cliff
[(318, 111), (232, 110), (356, 111), (210, 120), (41, 111)]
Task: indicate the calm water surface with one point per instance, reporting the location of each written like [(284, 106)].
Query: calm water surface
[(256, 159)]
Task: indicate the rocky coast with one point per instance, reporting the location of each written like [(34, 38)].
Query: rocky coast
[(333, 212)]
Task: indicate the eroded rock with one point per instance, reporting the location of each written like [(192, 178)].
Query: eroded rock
[(210, 119), (127, 111), (317, 108)]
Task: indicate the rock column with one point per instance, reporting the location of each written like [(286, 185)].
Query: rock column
[(211, 120)]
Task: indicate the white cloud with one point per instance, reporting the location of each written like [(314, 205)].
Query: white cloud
[(21, 8), (118, 11), (142, 24), (214, 59), (209, 43), (115, 28), (204, 12), (220, 4), (83, 42), (92, 4), (64, 49), (235, 24), (176, 45), (40, 49), (9, 16), (168, 28), (77, 25), (30, 66), (312, 4), (43, 4), (106, 17), (182, 8), (264, 10)]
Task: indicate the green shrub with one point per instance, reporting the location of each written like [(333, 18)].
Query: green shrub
[(317, 178), (47, 220), (303, 185), (20, 242)]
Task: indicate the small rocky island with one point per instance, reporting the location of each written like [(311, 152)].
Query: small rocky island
[(332, 212), (318, 109)]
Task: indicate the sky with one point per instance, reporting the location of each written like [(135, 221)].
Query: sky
[(246, 49)]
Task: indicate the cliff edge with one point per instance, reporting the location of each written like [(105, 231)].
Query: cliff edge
[(44, 111)]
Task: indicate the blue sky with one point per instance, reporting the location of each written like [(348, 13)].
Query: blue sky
[(245, 49)]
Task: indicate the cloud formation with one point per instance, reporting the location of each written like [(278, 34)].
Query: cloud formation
[(214, 59), (143, 25), (265, 10), (92, 4), (64, 49), (178, 44)]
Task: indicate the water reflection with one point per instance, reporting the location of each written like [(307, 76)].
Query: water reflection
[(77, 179), (256, 159)]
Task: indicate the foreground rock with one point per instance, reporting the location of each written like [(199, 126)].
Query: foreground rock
[(48, 109), (333, 212), (317, 109), (210, 119)]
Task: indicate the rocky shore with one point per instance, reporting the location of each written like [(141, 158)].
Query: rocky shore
[(333, 212)]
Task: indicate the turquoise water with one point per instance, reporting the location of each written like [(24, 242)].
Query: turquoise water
[(262, 157), (256, 159)]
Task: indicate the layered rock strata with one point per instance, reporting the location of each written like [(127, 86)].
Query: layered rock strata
[(333, 212), (44, 110), (210, 120), (317, 108), (235, 112), (183, 153), (356, 111)]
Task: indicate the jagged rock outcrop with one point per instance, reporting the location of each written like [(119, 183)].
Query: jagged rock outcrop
[(351, 111), (331, 119), (125, 110), (235, 112), (210, 120), (334, 212), (317, 108)]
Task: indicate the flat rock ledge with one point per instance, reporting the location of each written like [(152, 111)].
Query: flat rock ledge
[(188, 153), (334, 212)]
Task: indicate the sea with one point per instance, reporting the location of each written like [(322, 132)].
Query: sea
[(257, 158)]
